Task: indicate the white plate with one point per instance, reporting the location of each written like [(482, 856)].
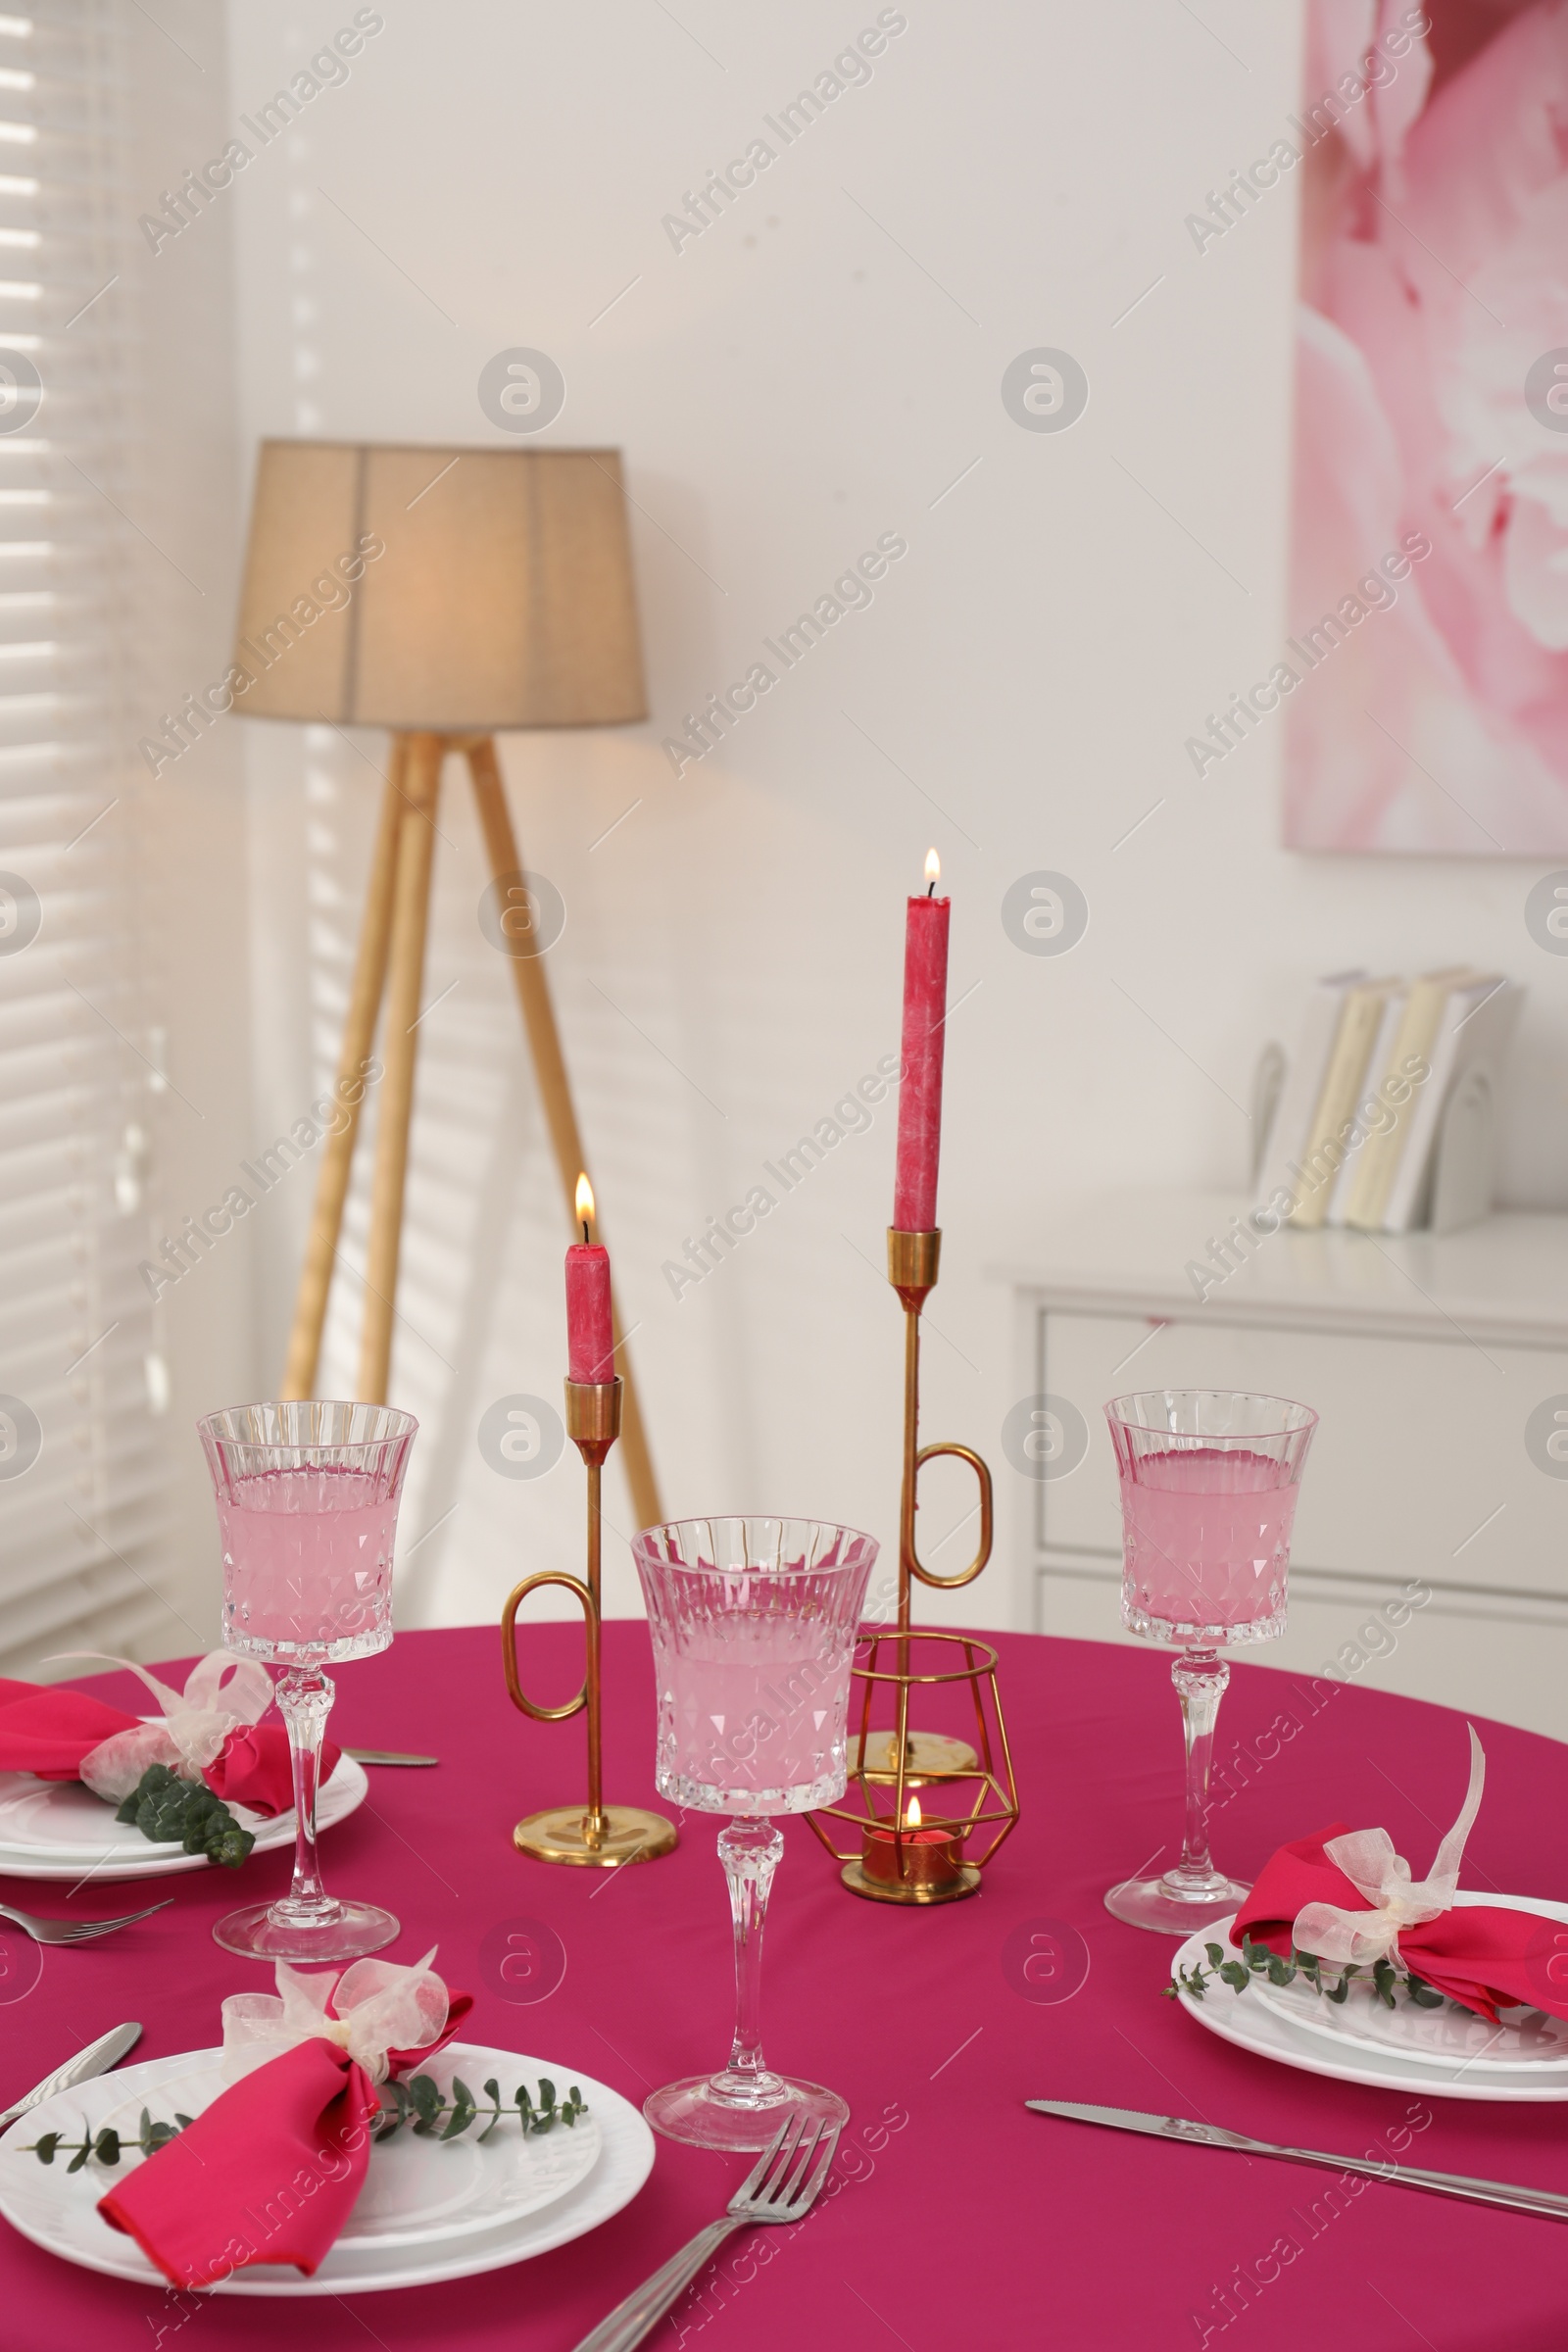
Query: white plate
[(1526, 2038), (59, 1830), (1320, 2047), (462, 2231)]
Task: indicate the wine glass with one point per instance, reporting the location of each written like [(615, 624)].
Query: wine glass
[(1208, 1484), (306, 1510), (752, 1623)]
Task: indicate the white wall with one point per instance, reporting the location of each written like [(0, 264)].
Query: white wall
[(817, 367)]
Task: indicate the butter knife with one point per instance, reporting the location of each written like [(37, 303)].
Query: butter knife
[(96, 2059), (382, 1755), (1543, 2201)]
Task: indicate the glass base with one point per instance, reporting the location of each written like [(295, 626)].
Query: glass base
[(698, 2111), (340, 1931), (1167, 1908)]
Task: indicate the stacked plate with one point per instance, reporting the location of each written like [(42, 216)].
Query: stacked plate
[(1446, 2052), (429, 2210), (59, 1830)]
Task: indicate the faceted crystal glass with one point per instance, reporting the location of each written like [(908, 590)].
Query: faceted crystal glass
[(1210, 1480), (307, 1499), (752, 1623)]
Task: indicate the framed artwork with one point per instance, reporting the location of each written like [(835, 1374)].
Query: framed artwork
[(1428, 599)]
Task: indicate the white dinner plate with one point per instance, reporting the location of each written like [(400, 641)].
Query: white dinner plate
[(59, 1829), (1525, 2039), (1489, 2064), (419, 2218)]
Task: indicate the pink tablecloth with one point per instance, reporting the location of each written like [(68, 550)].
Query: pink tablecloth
[(960, 2219)]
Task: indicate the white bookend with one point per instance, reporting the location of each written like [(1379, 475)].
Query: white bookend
[(1292, 1123), (1474, 1031)]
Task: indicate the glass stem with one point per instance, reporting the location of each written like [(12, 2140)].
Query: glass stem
[(750, 1851), (1200, 1677), (305, 1697)]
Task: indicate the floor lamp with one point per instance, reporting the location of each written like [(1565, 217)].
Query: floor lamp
[(445, 594)]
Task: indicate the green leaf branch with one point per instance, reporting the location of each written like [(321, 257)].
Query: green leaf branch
[(1259, 1960), (175, 1811), (108, 2145), (420, 2103)]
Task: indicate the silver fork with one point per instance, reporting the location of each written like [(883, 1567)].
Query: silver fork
[(782, 2188), (75, 1931)]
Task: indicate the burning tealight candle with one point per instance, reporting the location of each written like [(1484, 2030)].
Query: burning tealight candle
[(922, 1857), (590, 1336)]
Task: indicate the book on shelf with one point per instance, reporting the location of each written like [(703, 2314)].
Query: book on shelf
[(1291, 1127), (1362, 1198), (1360, 1023)]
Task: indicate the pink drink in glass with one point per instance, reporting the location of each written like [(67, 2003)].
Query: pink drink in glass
[(307, 1562), (307, 1492), (752, 1711), (752, 1623), (1206, 1535), (1209, 1485)]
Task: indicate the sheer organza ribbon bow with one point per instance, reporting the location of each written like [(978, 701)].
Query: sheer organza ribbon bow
[(1368, 1860), (382, 2015), (222, 1695)]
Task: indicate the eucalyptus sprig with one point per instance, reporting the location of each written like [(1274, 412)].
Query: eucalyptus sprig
[(419, 2103), (1257, 1959), (108, 2145), (171, 1810)]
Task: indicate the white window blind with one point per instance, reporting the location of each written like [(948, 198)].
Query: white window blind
[(84, 1476)]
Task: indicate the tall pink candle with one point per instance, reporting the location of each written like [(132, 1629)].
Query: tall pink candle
[(590, 1337), (925, 1006)]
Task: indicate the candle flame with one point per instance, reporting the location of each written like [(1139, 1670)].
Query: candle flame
[(933, 870), (585, 1200), (911, 1814)]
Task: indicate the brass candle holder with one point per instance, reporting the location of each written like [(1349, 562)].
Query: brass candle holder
[(915, 1260), (900, 1857), (598, 1837), (914, 1854)]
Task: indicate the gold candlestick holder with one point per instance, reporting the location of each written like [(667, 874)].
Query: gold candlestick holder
[(598, 1837), (900, 1857), (915, 1853)]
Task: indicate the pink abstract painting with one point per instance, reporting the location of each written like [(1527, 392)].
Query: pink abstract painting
[(1429, 575)]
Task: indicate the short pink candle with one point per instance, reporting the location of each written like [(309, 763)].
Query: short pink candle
[(590, 1336), (925, 1007)]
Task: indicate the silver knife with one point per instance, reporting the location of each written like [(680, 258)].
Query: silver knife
[(1543, 2201), (96, 2059), (382, 1755)]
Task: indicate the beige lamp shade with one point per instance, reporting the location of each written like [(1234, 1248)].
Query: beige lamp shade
[(448, 590)]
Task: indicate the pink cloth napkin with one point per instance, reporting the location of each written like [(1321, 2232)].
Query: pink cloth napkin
[(1479, 1955), (254, 1768), (270, 2172), (48, 1730)]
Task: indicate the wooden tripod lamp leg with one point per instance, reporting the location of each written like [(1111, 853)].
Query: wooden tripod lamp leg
[(411, 911), (544, 1041)]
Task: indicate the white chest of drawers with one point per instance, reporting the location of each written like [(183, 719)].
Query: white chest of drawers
[(1439, 1366)]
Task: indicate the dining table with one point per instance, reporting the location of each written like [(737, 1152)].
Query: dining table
[(954, 2216)]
